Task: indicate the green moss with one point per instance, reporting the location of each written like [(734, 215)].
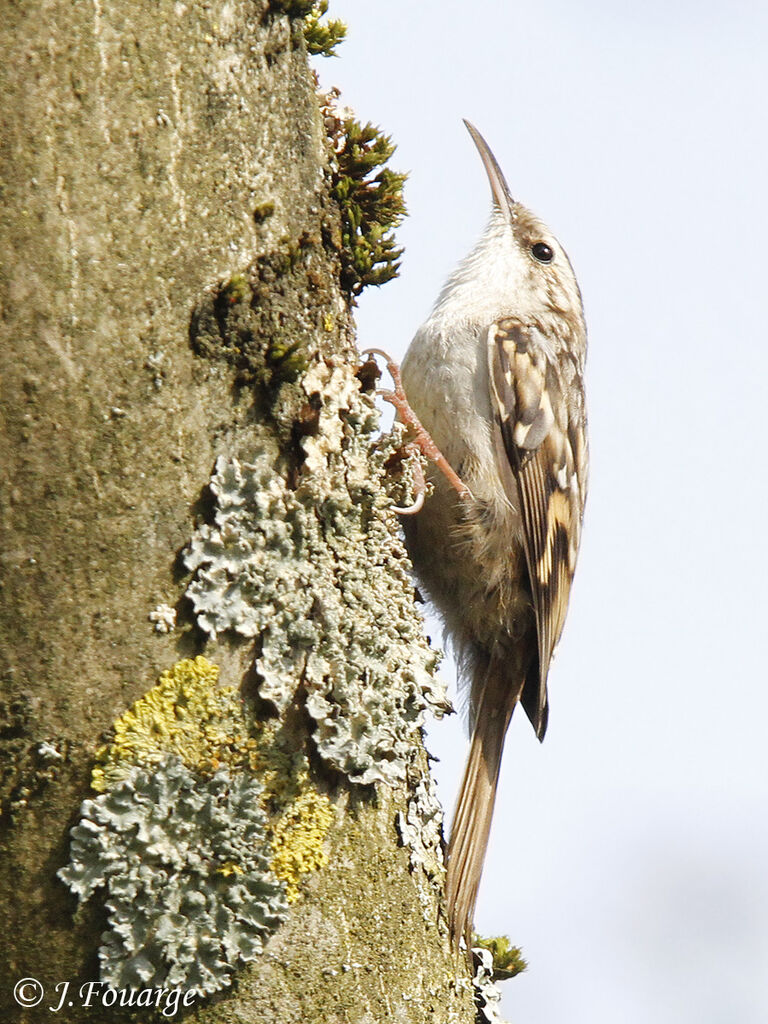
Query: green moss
[(371, 203), (293, 8), (286, 359), (508, 960), (266, 321), (236, 290), (322, 40)]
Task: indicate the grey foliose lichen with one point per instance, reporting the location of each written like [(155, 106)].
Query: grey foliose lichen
[(317, 573), (487, 994), (188, 888), (420, 830)]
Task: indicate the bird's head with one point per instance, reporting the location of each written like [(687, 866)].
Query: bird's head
[(518, 267)]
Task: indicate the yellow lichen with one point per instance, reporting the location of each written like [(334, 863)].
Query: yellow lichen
[(186, 714), (298, 837), (300, 816), (280, 767), (229, 868), (206, 725)]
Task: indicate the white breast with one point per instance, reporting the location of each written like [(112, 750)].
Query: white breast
[(446, 380)]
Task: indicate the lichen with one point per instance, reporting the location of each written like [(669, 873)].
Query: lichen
[(189, 891), (299, 814), (487, 994), (164, 618), (187, 734), (27, 764), (421, 825), (205, 725), (185, 714), (420, 830), (316, 573), (298, 839), (495, 960)]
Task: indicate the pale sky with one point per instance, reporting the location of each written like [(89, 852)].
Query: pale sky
[(629, 855)]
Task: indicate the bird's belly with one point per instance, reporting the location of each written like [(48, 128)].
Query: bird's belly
[(467, 553), (471, 563)]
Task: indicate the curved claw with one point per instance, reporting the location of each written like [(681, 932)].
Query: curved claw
[(411, 510), (378, 352), (419, 486), (392, 368)]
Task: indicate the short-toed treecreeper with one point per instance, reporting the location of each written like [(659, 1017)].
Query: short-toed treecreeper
[(495, 375)]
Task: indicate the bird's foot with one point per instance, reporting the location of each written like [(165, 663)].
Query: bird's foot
[(419, 484), (421, 438)]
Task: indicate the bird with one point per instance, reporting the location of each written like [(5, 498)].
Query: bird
[(495, 378)]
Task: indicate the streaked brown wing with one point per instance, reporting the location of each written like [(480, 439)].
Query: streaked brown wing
[(538, 403)]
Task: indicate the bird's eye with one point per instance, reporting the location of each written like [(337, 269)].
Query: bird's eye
[(542, 252)]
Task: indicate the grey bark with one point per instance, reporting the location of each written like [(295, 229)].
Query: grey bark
[(138, 139)]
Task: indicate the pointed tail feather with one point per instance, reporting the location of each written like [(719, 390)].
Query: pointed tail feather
[(474, 809)]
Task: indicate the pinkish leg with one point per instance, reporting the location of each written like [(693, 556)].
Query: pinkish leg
[(421, 438)]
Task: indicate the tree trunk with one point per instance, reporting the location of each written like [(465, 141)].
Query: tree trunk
[(189, 468)]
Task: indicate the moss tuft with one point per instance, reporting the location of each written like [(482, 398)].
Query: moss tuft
[(286, 359), (293, 8), (236, 290), (322, 40), (508, 960), (371, 204)]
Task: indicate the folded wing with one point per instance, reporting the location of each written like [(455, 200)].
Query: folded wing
[(539, 415)]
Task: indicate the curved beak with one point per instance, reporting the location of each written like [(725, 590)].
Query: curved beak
[(499, 188)]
